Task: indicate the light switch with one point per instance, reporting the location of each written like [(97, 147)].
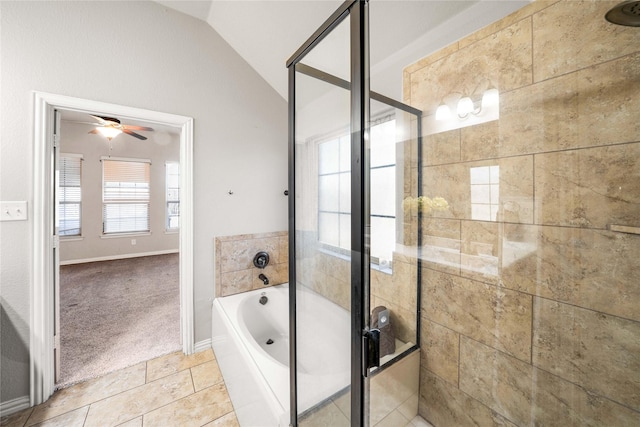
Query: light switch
[(13, 211)]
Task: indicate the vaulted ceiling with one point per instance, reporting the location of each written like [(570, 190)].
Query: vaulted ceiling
[(267, 32)]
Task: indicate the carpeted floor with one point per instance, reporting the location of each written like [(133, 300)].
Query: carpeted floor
[(114, 314)]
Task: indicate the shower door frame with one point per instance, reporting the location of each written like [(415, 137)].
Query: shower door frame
[(357, 12)]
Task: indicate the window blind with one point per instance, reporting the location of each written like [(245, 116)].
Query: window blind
[(173, 195), (125, 196), (69, 195)]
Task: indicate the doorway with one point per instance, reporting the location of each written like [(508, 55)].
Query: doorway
[(117, 216), (46, 242)]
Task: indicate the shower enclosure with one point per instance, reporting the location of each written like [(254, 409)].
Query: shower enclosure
[(351, 240), (467, 199)]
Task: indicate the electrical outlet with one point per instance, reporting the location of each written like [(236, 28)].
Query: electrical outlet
[(13, 211), (133, 242)]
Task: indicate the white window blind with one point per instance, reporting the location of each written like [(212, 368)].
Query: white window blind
[(125, 196), (69, 195), (172, 180)]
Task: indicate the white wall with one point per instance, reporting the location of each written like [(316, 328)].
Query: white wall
[(74, 138), (141, 55)]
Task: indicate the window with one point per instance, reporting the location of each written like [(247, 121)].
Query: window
[(69, 195), (383, 190), (485, 192), (172, 179), (125, 195), (334, 190)]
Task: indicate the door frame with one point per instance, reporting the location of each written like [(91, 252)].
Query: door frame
[(41, 352), (356, 11)]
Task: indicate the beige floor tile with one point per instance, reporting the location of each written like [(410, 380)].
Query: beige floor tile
[(418, 421), (194, 410), (206, 375), (228, 420), (394, 419), (175, 362), (343, 403), (83, 394), (410, 407), (133, 403), (328, 415), (70, 419), (136, 422)]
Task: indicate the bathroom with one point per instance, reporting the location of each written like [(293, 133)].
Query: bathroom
[(513, 257), (502, 239)]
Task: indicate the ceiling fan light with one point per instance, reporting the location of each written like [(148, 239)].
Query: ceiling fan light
[(109, 132)]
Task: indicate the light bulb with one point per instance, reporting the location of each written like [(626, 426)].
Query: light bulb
[(443, 112), (490, 98), (109, 132), (465, 106)]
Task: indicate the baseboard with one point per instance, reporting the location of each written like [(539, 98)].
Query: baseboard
[(203, 345), (13, 406), (123, 256)]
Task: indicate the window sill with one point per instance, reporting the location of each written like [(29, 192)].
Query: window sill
[(118, 235), (385, 270), (71, 238), (172, 231), (338, 254)]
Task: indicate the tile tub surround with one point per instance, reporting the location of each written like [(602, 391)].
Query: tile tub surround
[(170, 390), (532, 319), (329, 275), (235, 272)]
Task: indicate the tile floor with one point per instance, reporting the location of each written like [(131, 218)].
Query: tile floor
[(172, 390)]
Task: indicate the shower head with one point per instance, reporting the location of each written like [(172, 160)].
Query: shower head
[(626, 13)]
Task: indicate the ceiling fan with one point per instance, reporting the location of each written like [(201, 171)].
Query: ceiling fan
[(110, 127)]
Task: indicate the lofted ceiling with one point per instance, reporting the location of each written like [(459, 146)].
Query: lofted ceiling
[(267, 32)]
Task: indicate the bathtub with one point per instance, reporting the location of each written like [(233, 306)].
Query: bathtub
[(251, 342)]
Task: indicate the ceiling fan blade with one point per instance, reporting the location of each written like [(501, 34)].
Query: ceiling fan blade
[(106, 120), (94, 131), (135, 135), (133, 127)]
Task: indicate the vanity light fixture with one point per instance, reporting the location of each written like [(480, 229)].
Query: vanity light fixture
[(443, 112), (467, 107), (490, 98), (462, 109)]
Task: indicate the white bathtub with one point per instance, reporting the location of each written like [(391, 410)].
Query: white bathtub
[(257, 373)]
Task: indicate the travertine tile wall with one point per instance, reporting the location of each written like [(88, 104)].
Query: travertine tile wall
[(534, 319), (235, 272), (330, 275)]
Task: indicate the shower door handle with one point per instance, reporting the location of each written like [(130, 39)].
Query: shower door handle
[(370, 350)]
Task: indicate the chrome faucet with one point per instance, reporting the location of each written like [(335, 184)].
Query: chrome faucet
[(264, 279)]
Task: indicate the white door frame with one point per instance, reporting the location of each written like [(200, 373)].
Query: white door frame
[(43, 268)]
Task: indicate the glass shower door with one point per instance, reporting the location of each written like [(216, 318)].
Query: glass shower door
[(322, 247), (350, 251)]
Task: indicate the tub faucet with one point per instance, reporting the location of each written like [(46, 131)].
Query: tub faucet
[(264, 279)]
